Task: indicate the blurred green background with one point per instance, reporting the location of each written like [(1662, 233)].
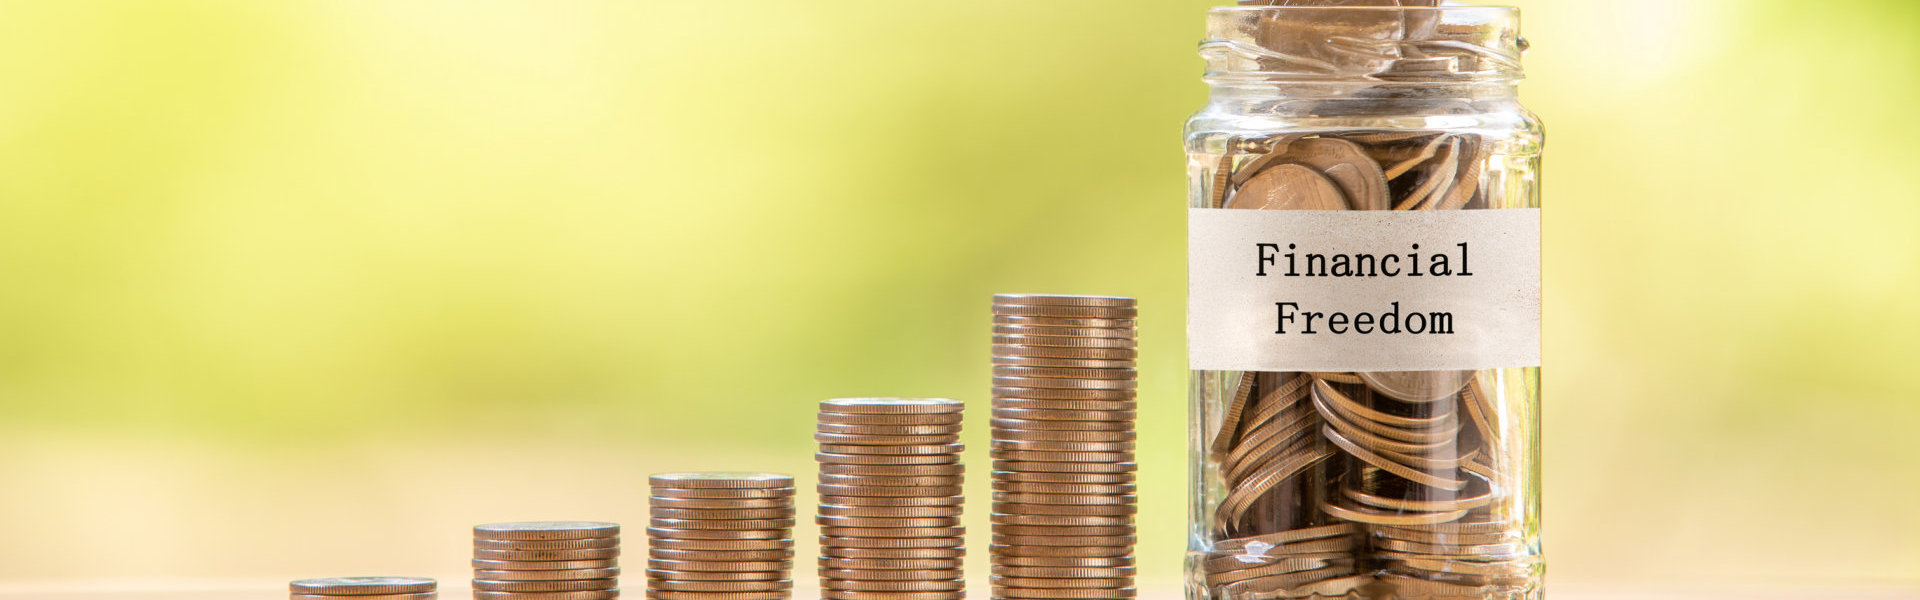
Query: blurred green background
[(307, 287)]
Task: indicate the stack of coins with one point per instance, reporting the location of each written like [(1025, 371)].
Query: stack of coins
[(1063, 471), (364, 588), (890, 502), (720, 536), (546, 560)]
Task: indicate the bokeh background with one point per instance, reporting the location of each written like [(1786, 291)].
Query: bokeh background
[(308, 287)]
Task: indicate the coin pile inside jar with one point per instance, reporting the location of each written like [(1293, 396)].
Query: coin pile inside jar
[(716, 536), (890, 499), (1063, 434), (364, 588), (546, 560)]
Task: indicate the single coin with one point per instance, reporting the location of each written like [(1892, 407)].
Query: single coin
[(1030, 425), (581, 554), (889, 512), (719, 586), (890, 574), (888, 430), (892, 533), (1088, 332), (888, 542), (1064, 415), (892, 501), (1361, 515), (877, 491), (1075, 312), (728, 525), (1062, 531), (889, 564), (1021, 487), (717, 493), (718, 534), (894, 470), (1112, 397), (1062, 300), (1079, 582), (721, 513), (698, 555), (1060, 551), (891, 406), (1097, 510), (1064, 373), (721, 480), (1425, 536), (829, 550), (883, 522), (892, 481), (1062, 456), (1256, 544), (719, 545), (1056, 467), (885, 440), (1009, 350), (717, 575), (1044, 435), (1288, 187), (1506, 551), (592, 595), (896, 450), (678, 595), (885, 420), (564, 575), (1052, 341), (1071, 363), (413, 596), (1065, 384), (1075, 499), (1055, 562), (1064, 322), (606, 542), (573, 585), (1063, 572), (734, 566), (1050, 446), (542, 565), (546, 530), (1417, 386), (720, 503), (886, 459), (1063, 593), (1032, 404), (362, 586), (1062, 478), (853, 595), (858, 585), (1064, 540), (1063, 520)]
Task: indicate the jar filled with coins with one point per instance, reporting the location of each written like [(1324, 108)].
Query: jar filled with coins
[(1364, 305)]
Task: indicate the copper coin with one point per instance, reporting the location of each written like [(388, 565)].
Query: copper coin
[(1080, 582), (1064, 322), (888, 512), (719, 586), (717, 493), (721, 480), (1081, 489), (1009, 371), (885, 459), (892, 481), (949, 541), (678, 595), (1064, 572), (696, 555), (891, 406), (1062, 300), (590, 595), (719, 545), (718, 575), (720, 503), (581, 554), (896, 491), (1071, 363), (362, 586), (1052, 446), (719, 534), (1062, 531), (1064, 415), (1060, 467), (892, 532), (728, 525), (853, 595), (1086, 405), (1063, 520), (1065, 540), (542, 565), (1111, 457), (894, 470), (565, 585), (829, 583), (1077, 562), (1076, 332), (1076, 312), (895, 501), (1063, 478), (892, 450), (655, 564), (882, 522), (1055, 393), (1066, 509), (721, 513), (546, 530), (888, 430), (903, 420), (1050, 341), (1007, 350), (1061, 551), (1034, 425), (562, 575), (606, 542), (887, 564), (1062, 593), (891, 574), (1043, 435), (891, 553), (413, 596), (885, 440), (1065, 384), (1074, 499)]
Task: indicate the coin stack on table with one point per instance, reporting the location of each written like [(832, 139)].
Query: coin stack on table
[(1063, 433), (364, 588), (546, 560), (720, 536), (890, 500)]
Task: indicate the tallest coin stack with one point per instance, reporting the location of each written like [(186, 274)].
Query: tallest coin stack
[(1063, 433)]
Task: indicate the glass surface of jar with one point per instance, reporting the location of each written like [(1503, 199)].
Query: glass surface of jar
[(1364, 307)]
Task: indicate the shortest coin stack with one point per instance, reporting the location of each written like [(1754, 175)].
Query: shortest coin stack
[(546, 560), (720, 536), (364, 588)]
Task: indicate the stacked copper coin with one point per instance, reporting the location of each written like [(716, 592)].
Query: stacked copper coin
[(720, 536), (364, 588), (890, 502), (546, 560), (1063, 433)]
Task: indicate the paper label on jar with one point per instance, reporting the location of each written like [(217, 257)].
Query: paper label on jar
[(1405, 290)]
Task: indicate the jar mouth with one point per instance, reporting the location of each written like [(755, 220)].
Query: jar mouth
[(1437, 44)]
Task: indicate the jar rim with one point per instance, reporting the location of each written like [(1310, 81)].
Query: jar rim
[(1433, 44)]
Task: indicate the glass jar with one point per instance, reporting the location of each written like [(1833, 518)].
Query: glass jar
[(1365, 341)]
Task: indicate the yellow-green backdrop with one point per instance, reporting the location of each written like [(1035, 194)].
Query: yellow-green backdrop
[(307, 287)]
